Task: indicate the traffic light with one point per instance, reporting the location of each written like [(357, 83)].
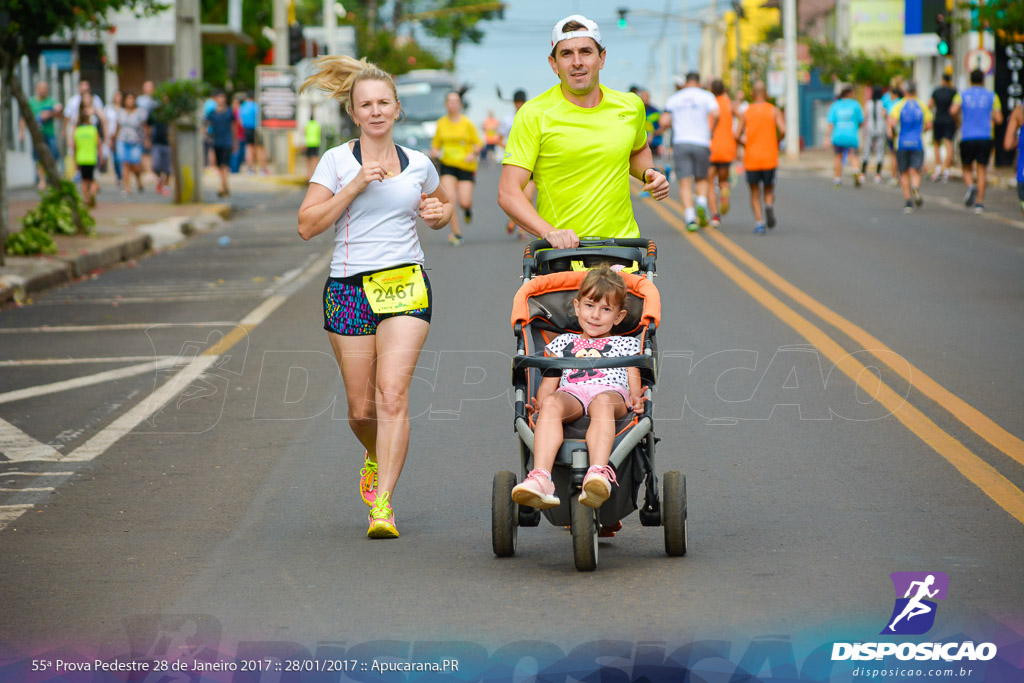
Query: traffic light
[(296, 44), (623, 11), (944, 30)]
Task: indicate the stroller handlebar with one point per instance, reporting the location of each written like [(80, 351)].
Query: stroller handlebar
[(639, 249)]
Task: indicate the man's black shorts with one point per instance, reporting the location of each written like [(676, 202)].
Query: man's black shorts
[(223, 155), (907, 159), (459, 173), (943, 130), (766, 178), (975, 150)]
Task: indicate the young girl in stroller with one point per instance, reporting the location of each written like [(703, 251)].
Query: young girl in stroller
[(604, 395)]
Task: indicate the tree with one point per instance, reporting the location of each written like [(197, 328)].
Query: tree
[(23, 25), (1000, 16), (456, 22), (855, 66)]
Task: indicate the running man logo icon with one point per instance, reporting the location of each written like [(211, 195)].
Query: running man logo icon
[(914, 611)]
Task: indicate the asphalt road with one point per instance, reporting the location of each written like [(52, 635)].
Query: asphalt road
[(843, 396)]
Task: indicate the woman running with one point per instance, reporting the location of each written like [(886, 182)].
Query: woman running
[(377, 300), (457, 146)]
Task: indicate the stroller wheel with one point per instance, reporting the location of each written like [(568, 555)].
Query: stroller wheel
[(584, 535), (504, 515), (674, 513)]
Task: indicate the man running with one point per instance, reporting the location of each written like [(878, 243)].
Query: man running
[(981, 112), (908, 121), (723, 153), (944, 128), (582, 142), (760, 130), (691, 113), (845, 117)]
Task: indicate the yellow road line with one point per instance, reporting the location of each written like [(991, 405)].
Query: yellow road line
[(977, 471), (974, 419)]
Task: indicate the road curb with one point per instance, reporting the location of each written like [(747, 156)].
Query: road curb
[(35, 273)]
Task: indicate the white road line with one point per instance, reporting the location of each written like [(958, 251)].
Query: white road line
[(82, 361), (113, 432), (36, 474), (42, 489), (9, 513), (86, 381), (149, 405), (111, 328), (18, 446)]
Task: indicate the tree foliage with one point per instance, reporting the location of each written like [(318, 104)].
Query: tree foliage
[(1000, 16), (460, 25), (855, 66)]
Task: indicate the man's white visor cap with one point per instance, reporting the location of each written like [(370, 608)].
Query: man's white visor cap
[(590, 30)]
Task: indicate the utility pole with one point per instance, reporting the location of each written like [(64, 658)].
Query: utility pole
[(738, 11), (842, 24), (792, 93), (330, 25), (188, 65), (280, 139), (715, 56)]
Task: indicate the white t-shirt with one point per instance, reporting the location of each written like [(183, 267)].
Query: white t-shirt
[(71, 109), (690, 108), (506, 126), (378, 229), (572, 345)]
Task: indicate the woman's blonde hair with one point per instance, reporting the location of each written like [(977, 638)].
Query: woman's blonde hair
[(338, 76)]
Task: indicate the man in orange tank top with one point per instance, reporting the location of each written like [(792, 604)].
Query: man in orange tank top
[(761, 128), (723, 153)]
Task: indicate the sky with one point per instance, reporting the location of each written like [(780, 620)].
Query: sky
[(513, 53)]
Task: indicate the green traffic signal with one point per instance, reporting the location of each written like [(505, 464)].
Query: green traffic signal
[(943, 48), (623, 11), (622, 23)]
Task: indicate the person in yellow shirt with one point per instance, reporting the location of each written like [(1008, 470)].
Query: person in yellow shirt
[(457, 146), (86, 140), (313, 132), (581, 142)]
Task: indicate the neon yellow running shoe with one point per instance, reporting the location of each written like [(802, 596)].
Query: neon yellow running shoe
[(368, 481), (382, 518)]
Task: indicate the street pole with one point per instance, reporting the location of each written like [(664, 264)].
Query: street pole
[(842, 24), (715, 71), (330, 25), (188, 141), (684, 58), (792, 94), (280, 139), (738, 10)]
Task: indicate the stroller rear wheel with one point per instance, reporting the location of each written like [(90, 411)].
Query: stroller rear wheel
[(504, 515), (674, 513), (584, 535)]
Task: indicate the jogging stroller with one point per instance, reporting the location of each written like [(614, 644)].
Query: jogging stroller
[(542, 310)]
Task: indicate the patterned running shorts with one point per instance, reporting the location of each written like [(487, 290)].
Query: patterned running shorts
[(347, 310)]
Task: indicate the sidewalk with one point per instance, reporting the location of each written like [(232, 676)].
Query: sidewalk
[(821, 159), (127, 226)]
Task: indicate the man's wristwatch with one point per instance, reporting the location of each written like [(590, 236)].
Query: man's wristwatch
[(652, 168)]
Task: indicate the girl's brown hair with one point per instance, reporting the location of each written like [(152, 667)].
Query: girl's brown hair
[(338, 76), (604, 283)]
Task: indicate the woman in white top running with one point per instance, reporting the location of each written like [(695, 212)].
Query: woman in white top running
[(377, 300)]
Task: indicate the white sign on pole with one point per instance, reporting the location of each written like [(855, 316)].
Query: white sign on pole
[(776, 83)]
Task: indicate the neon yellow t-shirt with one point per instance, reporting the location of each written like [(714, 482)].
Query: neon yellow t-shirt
[(456, 142), (313, 133), (87, 145), (580, 159)]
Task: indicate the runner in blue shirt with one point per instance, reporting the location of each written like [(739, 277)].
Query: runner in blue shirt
[(980, 112), (908, 121), (845, 117), (1013, 125)]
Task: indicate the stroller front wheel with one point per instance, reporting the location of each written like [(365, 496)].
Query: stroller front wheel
[(674, 513), (504, 515), (584, 535)]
